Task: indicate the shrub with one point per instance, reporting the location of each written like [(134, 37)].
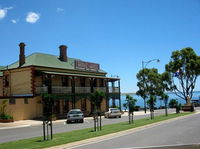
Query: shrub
[(5, 117)]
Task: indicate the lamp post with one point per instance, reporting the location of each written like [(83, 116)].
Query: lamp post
[(144, 65)]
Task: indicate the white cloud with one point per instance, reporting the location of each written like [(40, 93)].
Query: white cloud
[(32, 17), (4, 11), (14, 21), (60, 9)]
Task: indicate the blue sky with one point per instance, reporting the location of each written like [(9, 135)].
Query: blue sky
[(117, 34)]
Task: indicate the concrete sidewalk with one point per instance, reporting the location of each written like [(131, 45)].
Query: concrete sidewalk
[(28, 123)]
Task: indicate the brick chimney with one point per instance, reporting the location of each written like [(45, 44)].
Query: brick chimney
[(63, 53), (21, 55)]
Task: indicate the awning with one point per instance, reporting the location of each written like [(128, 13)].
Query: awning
[(80, 75)]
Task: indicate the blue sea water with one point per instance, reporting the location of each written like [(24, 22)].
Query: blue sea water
[(140, 101)]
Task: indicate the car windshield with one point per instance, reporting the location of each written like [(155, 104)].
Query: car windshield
[(75, 112)]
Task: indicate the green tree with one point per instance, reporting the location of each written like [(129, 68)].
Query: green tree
[(96, 99), (149, 84), (125, 106), (184, 70), (130, 102), (173, 103), (165, 97), (164, 87)]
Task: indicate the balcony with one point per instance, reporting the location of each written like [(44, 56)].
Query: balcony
[(55, 90), (102, 89), (82, 89), (113, 89), (68, 90)]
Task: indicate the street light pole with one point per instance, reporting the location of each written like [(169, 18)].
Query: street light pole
[(143, 67)]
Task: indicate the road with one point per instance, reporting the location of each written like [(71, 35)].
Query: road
[(179, 132), (35, 131)]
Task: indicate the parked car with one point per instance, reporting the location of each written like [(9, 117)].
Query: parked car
[(75, 115), (113, 112)]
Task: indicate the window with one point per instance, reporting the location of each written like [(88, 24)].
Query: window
[(6, 81), (25, 100), (12, 101)]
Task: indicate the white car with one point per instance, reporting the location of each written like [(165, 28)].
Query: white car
[(113, 112), (75, 115)]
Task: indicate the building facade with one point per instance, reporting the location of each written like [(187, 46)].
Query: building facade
[(70, 80)]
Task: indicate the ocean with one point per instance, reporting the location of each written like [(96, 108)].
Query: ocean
[(140, 101)]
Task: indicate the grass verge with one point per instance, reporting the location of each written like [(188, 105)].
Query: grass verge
[(68, 137)]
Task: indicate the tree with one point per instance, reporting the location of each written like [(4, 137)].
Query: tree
[(130, 102), (165, 97), (149, 84), (125, 106), (173, 103), (164, 87), (184, 70), (96, 99), (151, 102)]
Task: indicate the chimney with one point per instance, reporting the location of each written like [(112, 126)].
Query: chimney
[(21, 55), (63, 53)]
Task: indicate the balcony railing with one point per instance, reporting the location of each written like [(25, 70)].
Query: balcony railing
[(113, 89), (82, 89), (55, 90), (40, 90), (102, 89), (61, 90), (66, 90)]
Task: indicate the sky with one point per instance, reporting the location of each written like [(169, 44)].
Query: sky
[(117, 34)]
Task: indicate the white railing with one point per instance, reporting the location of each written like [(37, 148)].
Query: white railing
[(55, 90), (65, 90), (40, 90), (61, 89), (102, 89), (82, 89), (113, 89)]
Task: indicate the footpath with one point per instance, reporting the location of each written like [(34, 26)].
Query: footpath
[(28, 123)]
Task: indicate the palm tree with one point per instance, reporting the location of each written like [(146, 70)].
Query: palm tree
[(131, 105)]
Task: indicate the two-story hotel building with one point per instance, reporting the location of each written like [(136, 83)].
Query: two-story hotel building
[(72, 80)]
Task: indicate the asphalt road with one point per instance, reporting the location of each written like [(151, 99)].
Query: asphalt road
[(177, 133), (13, 134)]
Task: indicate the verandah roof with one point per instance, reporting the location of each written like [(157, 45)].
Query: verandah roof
[(80, 75)]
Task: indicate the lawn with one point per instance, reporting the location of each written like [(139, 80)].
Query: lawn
[(68, 137)]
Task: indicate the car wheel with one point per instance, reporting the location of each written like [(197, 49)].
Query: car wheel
[(120, 116), (81, 121), (67, 122)]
